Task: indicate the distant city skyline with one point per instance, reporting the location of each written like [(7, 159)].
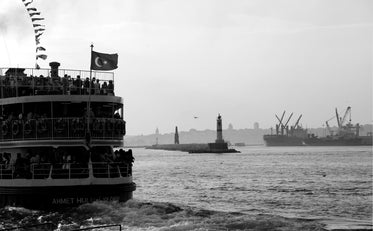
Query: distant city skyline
[(183, 62)]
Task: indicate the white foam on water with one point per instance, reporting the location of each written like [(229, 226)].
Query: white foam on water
[(346, 224)]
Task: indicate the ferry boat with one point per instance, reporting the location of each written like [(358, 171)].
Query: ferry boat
[(59, 130)]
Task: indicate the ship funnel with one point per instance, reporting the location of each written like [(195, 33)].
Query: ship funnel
[(54, 69)]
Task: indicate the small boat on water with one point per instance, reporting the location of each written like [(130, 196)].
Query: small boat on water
[(59, 128)]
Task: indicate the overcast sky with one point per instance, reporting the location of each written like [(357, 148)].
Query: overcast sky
[(245, 59)]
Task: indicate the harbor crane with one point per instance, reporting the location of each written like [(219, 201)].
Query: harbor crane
[(337, 116), (348, 112), (288, 120), (340, 120), (296, 123), (282, 117), (328, 127), (280, 123)]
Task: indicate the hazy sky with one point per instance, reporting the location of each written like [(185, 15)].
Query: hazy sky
[(245, 59)]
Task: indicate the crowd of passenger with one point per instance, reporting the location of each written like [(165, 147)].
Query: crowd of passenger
[(34, 124), (35, 116), (22, 164), (12, 86)]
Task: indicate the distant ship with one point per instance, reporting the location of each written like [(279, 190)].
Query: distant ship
[(345, 135), (285, 136)]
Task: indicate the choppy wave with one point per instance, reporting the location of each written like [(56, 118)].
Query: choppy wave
[(139, 215)]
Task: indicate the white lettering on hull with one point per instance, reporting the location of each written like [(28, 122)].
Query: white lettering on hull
[(81, 200)]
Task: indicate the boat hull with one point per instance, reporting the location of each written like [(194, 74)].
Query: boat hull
[(282, 140), (58, 197), (360, 141)]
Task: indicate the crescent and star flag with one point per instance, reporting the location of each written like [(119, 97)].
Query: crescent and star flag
[(104, 62)]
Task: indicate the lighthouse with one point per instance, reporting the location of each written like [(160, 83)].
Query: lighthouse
[(176, 136), (220, 146), (219, 130)]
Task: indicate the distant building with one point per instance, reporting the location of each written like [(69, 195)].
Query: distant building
[(256, 125)]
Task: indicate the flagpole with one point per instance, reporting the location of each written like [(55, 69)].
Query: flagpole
[(88, 135)]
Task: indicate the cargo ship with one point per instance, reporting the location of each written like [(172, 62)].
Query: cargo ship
[(346, 134), (59, 128), (285, 136)]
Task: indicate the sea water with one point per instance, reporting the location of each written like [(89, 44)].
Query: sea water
[(261, 188)]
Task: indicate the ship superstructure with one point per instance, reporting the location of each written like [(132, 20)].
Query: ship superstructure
[(58, 132), (346, 133)]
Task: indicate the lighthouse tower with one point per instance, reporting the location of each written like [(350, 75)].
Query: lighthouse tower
[(176, 136), (219, 130)]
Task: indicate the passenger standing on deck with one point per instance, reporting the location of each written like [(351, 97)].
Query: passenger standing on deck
[(20, 166), (78, 84), (12, 86), (110, 88), (72, 88), (104, 88), (65, 84), (86, 86), (66, 159), (97, 87), (93, 85)]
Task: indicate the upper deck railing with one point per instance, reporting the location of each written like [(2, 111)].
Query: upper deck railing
[(65, 170), (62, 129), (15, 82)]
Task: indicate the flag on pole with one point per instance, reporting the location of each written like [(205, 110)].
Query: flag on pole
[(104, 62)]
